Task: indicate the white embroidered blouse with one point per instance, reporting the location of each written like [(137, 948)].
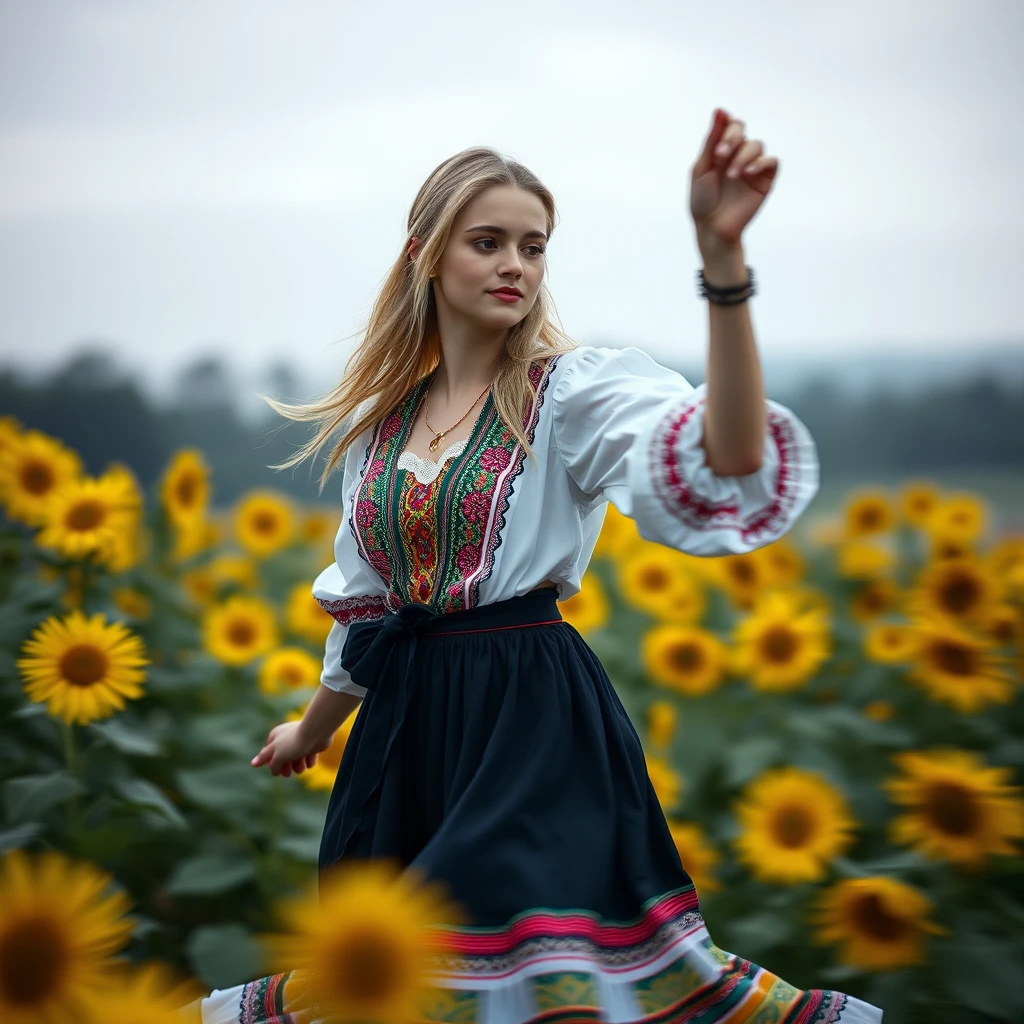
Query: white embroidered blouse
[(486, 523)]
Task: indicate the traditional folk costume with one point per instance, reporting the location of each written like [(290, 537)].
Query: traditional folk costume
[(490, 749)]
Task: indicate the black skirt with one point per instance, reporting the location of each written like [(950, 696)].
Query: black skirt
[(492, 753)]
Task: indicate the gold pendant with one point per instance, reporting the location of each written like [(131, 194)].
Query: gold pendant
[(433, 444)]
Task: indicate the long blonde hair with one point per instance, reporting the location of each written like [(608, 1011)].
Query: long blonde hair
[(401, 343)]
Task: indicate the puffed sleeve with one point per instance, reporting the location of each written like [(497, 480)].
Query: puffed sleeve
[(629, 430), (349, 589)]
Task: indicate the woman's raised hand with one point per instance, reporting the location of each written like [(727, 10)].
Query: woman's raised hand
[(729, 182), (288, 750)]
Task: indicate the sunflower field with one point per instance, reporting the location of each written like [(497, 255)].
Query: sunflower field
[(833, 723)]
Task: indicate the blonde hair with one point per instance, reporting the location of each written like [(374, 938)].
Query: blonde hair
[(401, 343)]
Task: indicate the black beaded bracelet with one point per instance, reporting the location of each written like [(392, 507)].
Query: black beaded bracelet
[(731, 295)]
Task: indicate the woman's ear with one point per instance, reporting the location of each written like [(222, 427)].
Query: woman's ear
[(413, 246)]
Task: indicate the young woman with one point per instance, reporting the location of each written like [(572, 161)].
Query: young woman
[(479, 450)]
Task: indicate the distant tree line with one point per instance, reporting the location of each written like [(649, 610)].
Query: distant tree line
[(106, 415)]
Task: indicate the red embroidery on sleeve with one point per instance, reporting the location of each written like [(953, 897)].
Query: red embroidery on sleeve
[(676, 496), (354, 609)]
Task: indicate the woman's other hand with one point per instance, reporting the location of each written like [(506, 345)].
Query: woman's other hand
[(288, 749)]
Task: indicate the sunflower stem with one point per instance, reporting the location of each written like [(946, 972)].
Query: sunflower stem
[(73, 805)]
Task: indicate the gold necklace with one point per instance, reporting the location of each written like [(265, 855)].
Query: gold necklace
[(438, 437)]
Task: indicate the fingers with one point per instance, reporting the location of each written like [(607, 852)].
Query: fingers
[(731, 139), (705, 161), (744, 156)]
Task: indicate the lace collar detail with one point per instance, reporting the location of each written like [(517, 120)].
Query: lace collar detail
[(426, 471)]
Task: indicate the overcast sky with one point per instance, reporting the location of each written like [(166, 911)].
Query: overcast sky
[(180, 177)]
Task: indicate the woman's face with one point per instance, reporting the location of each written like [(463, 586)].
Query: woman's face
[(479, 258)]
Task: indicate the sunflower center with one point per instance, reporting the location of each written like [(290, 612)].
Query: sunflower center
[(792, 826), (83, 665), (186, 490), (870, 518), (290, 675), (960, 594), (779, 645), (241, 633), (954, 658), (872, 599), (686, 657), (367, 968), (37, 476), (264, 522), (742, 572), (654, 578), (85, 515), (952, 809), (872, 917), (33, 960)]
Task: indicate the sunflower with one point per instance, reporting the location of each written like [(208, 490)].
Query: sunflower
[(961, 516), (147, 994), (264, 523), (963, 589), (619, 535), (958, 667), (1004, 624), (367, 941), (318, 526), (698, 856), (131, 542), (131, 603), (1006, 554), (779, 646), (958, 809), (868, 512), (688, 659), (33, 466), (793, 824), (879, 711), (85, 517), (199, 585), (185, 488), (288, 668), (784, 564), (874, 598), (588, 609), (825, 532), (83, 669), (239, 630), (941, 549), (662, 719), (305, 617), (742, 577), (864, 559), (325, 771), (234, 570), (653, 580), (10, 431), (667, 782), (917, 500), (891, 643), (878, 923), (59, 928)]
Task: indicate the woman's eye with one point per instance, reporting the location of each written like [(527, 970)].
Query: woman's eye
[(539, 252)]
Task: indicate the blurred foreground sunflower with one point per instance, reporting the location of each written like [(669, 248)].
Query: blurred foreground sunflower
[(325, 771), (958, 809), (59, 928), (794, 823), (367, 942), (83, 669), (878, 923)]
